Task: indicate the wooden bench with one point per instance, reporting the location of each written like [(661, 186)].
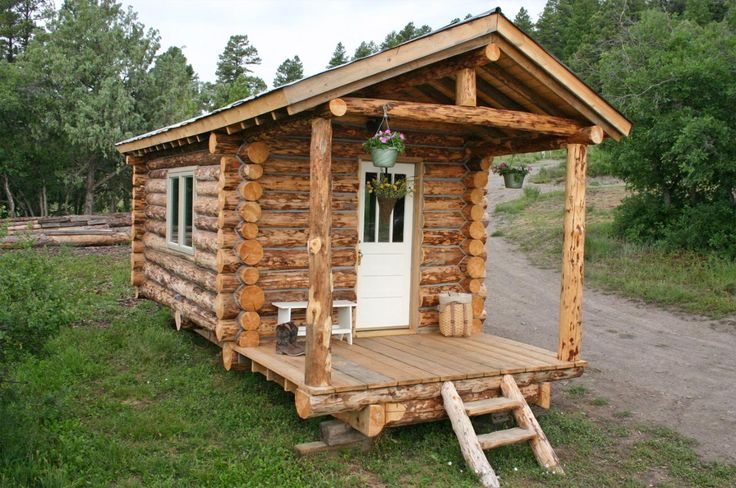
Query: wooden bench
[(343, 327)]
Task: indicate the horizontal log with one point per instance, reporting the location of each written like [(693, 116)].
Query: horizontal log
[(454, 114), (203, 239), (250, 251), (206, 223), (208, 188), (206, 206), (229, 173), (185, 269), (429, 295), (429, 317), (340, 183), (451, 202), (443, 220), (159, 199), (475, 212), (280, 237), (156, 212), (475, 230), (289, 279), (250, 298), (477, 163), (433, 275), (226, 283), (249, 321), (301, 166), (474, 247), (251, 171), (228, 219), (476, 179), (249, 275), (227, 261), (298, 296), (154, 185), (248, 230), (250, 190), (438, 170), (228, 200), (193, 292), (475, 196), (226, 330), (201, 257), (226, 238), (288, 200), (248, 338), (476, 286), (250, 212), (474, 267), (432, 237), (193, 158), (441, 256), (207, 173), (443, 187), (315, 405), (201, 317), (299, 219), (275, 259), (221, 143), (226, 306)]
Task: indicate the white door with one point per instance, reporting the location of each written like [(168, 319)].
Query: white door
[(384, 269)]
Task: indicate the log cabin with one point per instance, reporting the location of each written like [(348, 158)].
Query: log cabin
[(261, 208)]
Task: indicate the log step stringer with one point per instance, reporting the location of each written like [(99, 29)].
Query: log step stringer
[(472, 445)]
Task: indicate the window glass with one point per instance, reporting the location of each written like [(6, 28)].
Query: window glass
[(174, 210), (398, 216), (188, 203), (369, 214)]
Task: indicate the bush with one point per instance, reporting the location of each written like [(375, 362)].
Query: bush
[(33, 303), (644, 219)]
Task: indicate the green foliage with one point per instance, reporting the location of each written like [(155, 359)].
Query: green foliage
[(674, 79), (384, 188), (365, 49), (339, 56), (170, 90), (18, 24), (34, 304), (523, 21), (407, 33), (386, 139), (234, 81), (288, 71)]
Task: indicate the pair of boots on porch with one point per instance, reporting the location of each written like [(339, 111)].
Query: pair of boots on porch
[(286, 342)]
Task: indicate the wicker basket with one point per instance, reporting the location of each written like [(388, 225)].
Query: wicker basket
[(456, 314)]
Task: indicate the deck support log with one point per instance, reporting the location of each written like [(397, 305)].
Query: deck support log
[(369, 420), (571, 293), (317, 368)]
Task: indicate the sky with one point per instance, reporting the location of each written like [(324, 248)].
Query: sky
[(281, 29)]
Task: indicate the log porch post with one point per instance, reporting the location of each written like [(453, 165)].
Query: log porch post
[(571, 294), (318, 363)]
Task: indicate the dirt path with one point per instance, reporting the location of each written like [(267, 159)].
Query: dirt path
[(663, 367)]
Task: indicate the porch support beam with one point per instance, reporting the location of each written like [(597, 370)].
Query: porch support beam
[(431, 112), (571, 294), (318, 362), (465, 88), (521, 145)]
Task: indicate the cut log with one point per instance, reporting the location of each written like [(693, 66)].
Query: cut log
[(475, 267), (250, 212), (249, 275), (193, 158), (251, 190), (227, 261), (207, 173), (255, 152), (571, 305), (477, 179), (202, 318), (475, 230), (220, 143), (203, 298), (183, 268), (250, 251), (251, 298), (249, 320), (248, 230), (474, 456), (227, 330), (317, 364), (251, 171)]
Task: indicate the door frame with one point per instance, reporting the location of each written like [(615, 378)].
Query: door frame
[(416, 251)]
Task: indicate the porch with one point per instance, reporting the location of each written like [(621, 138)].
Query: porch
[(396, 380)]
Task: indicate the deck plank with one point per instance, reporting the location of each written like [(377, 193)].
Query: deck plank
[(475, 368), (473, 348), (506, 364), (402, 372), (445, 372)]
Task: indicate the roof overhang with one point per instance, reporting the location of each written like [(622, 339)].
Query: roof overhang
[(437, 46)]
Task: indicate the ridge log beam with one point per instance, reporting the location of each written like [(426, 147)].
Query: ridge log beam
[(318, 361), (571, 293), (454, 114)]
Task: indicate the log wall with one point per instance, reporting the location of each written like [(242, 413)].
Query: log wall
[(284, 210)]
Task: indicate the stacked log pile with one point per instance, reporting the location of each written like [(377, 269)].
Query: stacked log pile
[(69, 230)]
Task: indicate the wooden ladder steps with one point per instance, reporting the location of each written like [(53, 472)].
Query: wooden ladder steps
[(505, 437), (472, 445), (490, 405)]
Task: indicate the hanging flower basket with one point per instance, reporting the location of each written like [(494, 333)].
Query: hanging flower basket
[(387, 194), (385, 207), (384, 157), (513, 176), (385, 145)]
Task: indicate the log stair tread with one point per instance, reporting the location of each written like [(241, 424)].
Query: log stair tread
[(472, 444), (490, 405), (505, 437)]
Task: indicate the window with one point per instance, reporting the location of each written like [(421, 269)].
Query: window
[(180, 209), (382, 228)]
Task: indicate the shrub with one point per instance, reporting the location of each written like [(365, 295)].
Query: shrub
[(33, 303)]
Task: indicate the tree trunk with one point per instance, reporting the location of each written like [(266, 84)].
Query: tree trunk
[(9, 196), (89, 190)]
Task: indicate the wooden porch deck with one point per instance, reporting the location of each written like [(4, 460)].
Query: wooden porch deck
[(402, 360)]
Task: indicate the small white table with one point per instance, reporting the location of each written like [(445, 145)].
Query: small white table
[(343, 327)]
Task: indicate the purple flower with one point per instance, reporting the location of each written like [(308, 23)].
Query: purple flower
[(383, 140)]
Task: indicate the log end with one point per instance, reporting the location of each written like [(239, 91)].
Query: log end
[(338, 107)]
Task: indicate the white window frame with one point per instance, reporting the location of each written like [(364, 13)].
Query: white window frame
[(180, 174)]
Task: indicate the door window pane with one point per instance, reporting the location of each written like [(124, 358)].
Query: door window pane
[(188, 203), (398, 216), (369, 213)]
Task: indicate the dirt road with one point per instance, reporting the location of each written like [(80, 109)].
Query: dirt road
[(664, 367)]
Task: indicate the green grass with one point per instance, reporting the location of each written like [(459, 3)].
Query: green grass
[(122, 399), (698, 283)]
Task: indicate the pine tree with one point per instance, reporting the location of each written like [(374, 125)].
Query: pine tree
[(236, 58), (340, 56), (365, 49), (523, 21), (288, 71), (171, 92), (409, 32)]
